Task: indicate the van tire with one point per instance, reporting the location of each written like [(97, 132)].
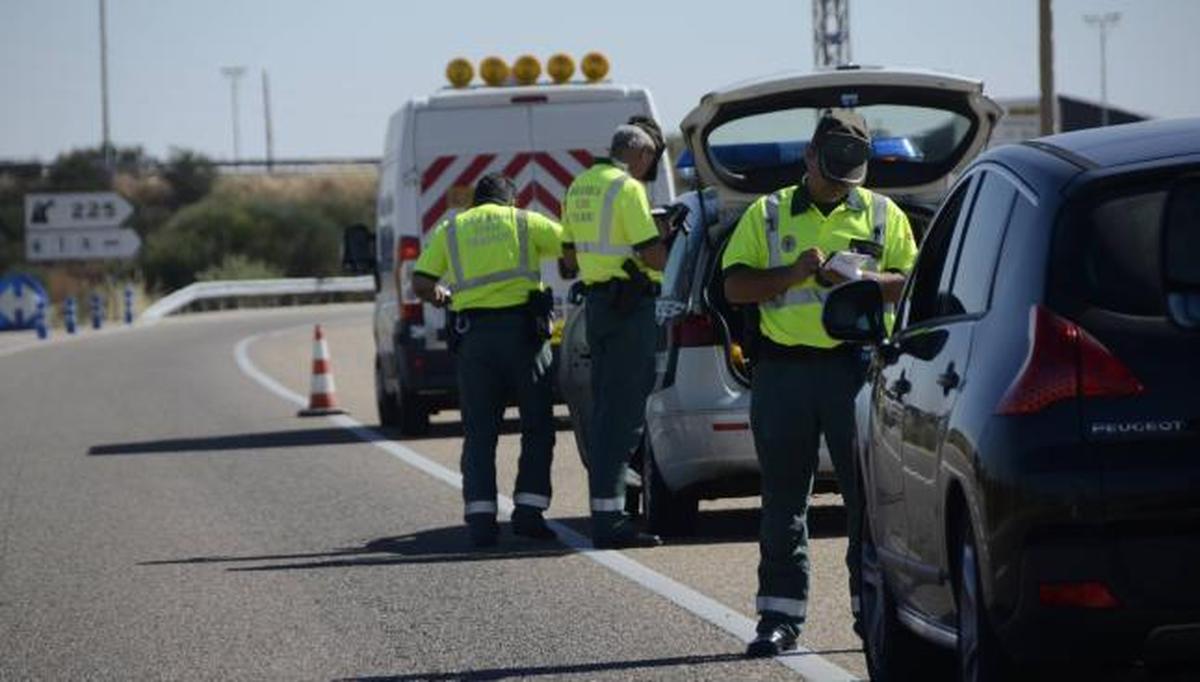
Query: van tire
[(385, 402), (413, 414), (668, 513)]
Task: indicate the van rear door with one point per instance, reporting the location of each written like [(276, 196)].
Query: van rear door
[(567, 136), (455, 146)]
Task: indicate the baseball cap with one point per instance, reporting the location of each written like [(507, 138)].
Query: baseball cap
[(843, 145)]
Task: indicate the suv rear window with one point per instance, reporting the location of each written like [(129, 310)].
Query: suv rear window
[(1121, 270)]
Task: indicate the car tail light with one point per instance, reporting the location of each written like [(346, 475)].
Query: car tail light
[(1065, 362), (407, 251), (1086, 595), (695, 330)]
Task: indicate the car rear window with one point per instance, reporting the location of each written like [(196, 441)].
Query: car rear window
[(1121, 254)]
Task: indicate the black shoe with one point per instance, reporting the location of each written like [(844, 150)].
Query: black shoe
[(528, 522), (772, 641), (483, 530), (624, 540)]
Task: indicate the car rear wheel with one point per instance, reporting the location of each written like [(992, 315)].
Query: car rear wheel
[(980, 658), (892, 651), (667, 513)]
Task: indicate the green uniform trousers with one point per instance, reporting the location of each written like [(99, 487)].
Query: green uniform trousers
[(622, 348), (495, 360), (794, 400)]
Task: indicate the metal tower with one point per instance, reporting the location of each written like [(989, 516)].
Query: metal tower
[(831, 32)]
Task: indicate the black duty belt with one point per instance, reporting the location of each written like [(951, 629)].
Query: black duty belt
[(476, 313), (607, 286), (777, 351)]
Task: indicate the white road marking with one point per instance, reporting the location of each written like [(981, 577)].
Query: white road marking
[(802, 660)]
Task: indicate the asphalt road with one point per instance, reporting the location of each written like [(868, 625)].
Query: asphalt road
[(165, 514)]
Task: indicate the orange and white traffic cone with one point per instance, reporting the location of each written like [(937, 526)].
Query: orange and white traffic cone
[(321, 400)]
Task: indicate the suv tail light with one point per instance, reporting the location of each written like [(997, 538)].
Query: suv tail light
[(1065, 362), (693, 331), (408, 249)]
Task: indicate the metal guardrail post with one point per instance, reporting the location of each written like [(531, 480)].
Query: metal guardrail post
[(128, 304), (69, 314), (97, 312)]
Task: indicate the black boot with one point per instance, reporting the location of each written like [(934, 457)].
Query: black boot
[(483, 529), (528, 522), (773, 638)]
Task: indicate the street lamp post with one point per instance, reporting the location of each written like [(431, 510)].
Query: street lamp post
[(1103, 21), (234, 73)]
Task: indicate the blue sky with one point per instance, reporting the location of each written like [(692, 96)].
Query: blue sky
[(338, 69)]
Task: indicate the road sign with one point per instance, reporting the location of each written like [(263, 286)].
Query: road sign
[(75, 211), (19, 296), (96, 244)]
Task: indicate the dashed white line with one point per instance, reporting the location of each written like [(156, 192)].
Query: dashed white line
[(809, 664)]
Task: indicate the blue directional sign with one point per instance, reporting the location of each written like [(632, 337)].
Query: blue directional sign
[(19, 297)]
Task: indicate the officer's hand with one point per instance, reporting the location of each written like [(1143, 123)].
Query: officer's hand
[(441, 296), (808, 264)]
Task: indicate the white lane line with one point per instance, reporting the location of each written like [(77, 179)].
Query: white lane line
[(803, 660)]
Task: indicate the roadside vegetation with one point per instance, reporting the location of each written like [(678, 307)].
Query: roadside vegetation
[(195, 223)]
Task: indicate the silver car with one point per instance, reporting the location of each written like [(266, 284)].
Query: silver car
[(745, 141)]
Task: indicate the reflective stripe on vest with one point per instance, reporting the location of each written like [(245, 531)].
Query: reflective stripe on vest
[(522, 271), (603, 245), (775, 253)]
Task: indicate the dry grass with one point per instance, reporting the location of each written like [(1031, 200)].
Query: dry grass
[(300, 189)]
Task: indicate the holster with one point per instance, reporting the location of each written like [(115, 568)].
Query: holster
[(541, 311), (627, 293), (453, 335)]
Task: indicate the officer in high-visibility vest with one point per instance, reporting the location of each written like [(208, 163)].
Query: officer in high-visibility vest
[(785, 253), (489, 255), (611, 238)]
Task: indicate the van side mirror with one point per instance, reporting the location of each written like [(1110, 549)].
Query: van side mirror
[(853, 312), (358, 252), (1181, 252)]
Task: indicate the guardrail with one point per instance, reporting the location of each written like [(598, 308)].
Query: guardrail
[(206, 291)]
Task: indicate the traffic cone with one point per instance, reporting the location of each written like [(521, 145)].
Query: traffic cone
[(321, 400)]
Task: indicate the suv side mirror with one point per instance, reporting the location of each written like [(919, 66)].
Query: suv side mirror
[(854, 312), (1180, 245), (358, 252)]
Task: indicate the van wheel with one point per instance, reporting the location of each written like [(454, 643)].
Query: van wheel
[(892, 651), (413, 414), (667, 513), (980, 658), (385, 403)]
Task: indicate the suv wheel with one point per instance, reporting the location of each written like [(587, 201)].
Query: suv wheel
[(892, 651), (385, 403), (667, 513), (980, 658)]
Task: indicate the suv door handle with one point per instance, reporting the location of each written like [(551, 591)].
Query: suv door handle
[(949, 380)]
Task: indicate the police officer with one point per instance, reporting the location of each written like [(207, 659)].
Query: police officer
[(786, 251), (489, 255), (611, 238)]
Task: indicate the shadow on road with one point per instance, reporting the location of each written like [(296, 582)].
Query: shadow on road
[(242, 441), (564, 669), (439, 545), (452, 428)]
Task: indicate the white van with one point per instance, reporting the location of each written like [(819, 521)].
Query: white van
[(437, 147)]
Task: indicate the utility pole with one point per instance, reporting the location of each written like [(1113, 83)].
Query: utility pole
[(1104, 21), (234, 73), (1048, 107), (106, 139), (831, 32), (266, 89)]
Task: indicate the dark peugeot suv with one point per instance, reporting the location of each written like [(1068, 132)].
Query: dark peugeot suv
[(1028, 437)]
